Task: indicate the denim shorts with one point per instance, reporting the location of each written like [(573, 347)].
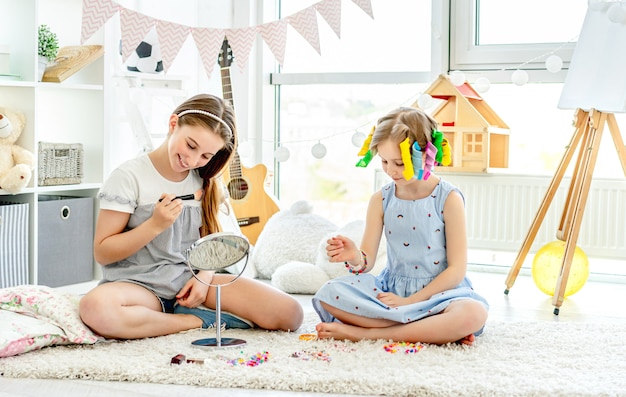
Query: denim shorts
[(167, 305)]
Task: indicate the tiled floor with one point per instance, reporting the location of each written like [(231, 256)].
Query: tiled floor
[(595, 302)]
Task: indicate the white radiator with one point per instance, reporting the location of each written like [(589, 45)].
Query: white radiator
[(500, 210), (13, 244)]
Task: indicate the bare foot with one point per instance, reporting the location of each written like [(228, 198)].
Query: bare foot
[(468, 340), (339, 331)]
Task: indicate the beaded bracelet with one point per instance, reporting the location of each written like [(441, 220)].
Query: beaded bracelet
[(360, 268)]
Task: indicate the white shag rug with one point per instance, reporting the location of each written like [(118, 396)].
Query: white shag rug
[(512, 359)]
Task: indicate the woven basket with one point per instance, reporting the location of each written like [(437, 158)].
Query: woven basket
[(60, 163)]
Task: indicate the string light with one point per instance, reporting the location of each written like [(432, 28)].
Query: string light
[(281, 154), (358, 138), (425, 101), (554, 63), (616, 13), (457, 78), (318, 150), (519, 77), (482, 84)]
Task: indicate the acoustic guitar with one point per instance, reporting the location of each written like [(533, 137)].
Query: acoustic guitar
[(249, 200)]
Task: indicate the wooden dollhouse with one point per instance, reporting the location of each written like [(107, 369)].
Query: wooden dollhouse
[(478, 138)]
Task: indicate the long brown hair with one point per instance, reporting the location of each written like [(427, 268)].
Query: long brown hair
[(212, 172)]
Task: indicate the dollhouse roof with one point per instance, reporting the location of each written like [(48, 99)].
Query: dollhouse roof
[(461, 106)]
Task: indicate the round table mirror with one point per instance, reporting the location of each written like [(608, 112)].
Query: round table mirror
[(216, 252)]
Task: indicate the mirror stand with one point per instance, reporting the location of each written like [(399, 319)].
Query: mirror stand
[(216, 252), (218, 341)]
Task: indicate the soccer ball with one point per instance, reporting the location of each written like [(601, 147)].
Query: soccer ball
[(147, 56)]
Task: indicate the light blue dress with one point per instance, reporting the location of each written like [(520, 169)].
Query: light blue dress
[(416, 254)]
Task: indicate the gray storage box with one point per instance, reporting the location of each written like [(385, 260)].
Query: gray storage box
[(13, 244), (66, 230)]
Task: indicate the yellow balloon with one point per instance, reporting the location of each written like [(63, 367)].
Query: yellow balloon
[(547, 267)]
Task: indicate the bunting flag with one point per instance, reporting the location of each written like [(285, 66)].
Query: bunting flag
[(240, 41), (365, 5), (330, 10), (135, 26), (305, 23), (209, 42), (172, 36), (275, 36), (95, 14)]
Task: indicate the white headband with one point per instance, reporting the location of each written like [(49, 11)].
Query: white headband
[(211, 115)]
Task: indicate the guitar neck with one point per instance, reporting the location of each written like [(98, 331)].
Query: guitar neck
[(227, 89), (227, 92)]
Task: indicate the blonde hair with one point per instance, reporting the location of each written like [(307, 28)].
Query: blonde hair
[(220, 120), (402, 123)]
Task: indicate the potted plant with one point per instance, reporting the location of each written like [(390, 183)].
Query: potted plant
[(48, 48)]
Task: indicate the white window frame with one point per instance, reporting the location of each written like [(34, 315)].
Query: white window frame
[(497, 61)]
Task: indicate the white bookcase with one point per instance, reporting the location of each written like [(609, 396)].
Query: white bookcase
[(73, 111)]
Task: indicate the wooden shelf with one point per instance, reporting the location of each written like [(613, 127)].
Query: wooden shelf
[(70, 60)]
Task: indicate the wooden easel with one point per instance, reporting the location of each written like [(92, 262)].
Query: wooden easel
[(588, 133)]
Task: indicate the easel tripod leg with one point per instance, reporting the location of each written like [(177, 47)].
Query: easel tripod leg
[(580, 123), (581, 182)]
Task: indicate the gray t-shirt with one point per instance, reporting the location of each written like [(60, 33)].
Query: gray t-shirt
[(135, 187)]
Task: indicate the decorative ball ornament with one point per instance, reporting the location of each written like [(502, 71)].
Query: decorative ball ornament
[(425, 101), (281, 154), (519, 77), (457, 77), (318, 150), (547, 265), (358, 138), (554, 63), (146, 58), (482, 84), (616, 13)]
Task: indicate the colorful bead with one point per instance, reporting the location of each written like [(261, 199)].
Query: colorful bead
[(308, 355), (360, 268), (254, 361), (408, 347)]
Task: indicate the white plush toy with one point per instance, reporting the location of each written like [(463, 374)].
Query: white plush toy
[(16, 163), (291, 250), (289, 235), (306, 278)]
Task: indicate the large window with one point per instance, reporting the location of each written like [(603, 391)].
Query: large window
[(387, 62), (491, 38), (329, 99), (492, 35)]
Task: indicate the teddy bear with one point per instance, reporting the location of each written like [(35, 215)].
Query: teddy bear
[(291, 250), (16, 163)]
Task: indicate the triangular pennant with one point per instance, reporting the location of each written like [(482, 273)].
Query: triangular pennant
[(365, 5), (330, 10), (209, 42), (305, 23), (275, 36), (95, 14), (134, 27), (241, 40), (171, 39)]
